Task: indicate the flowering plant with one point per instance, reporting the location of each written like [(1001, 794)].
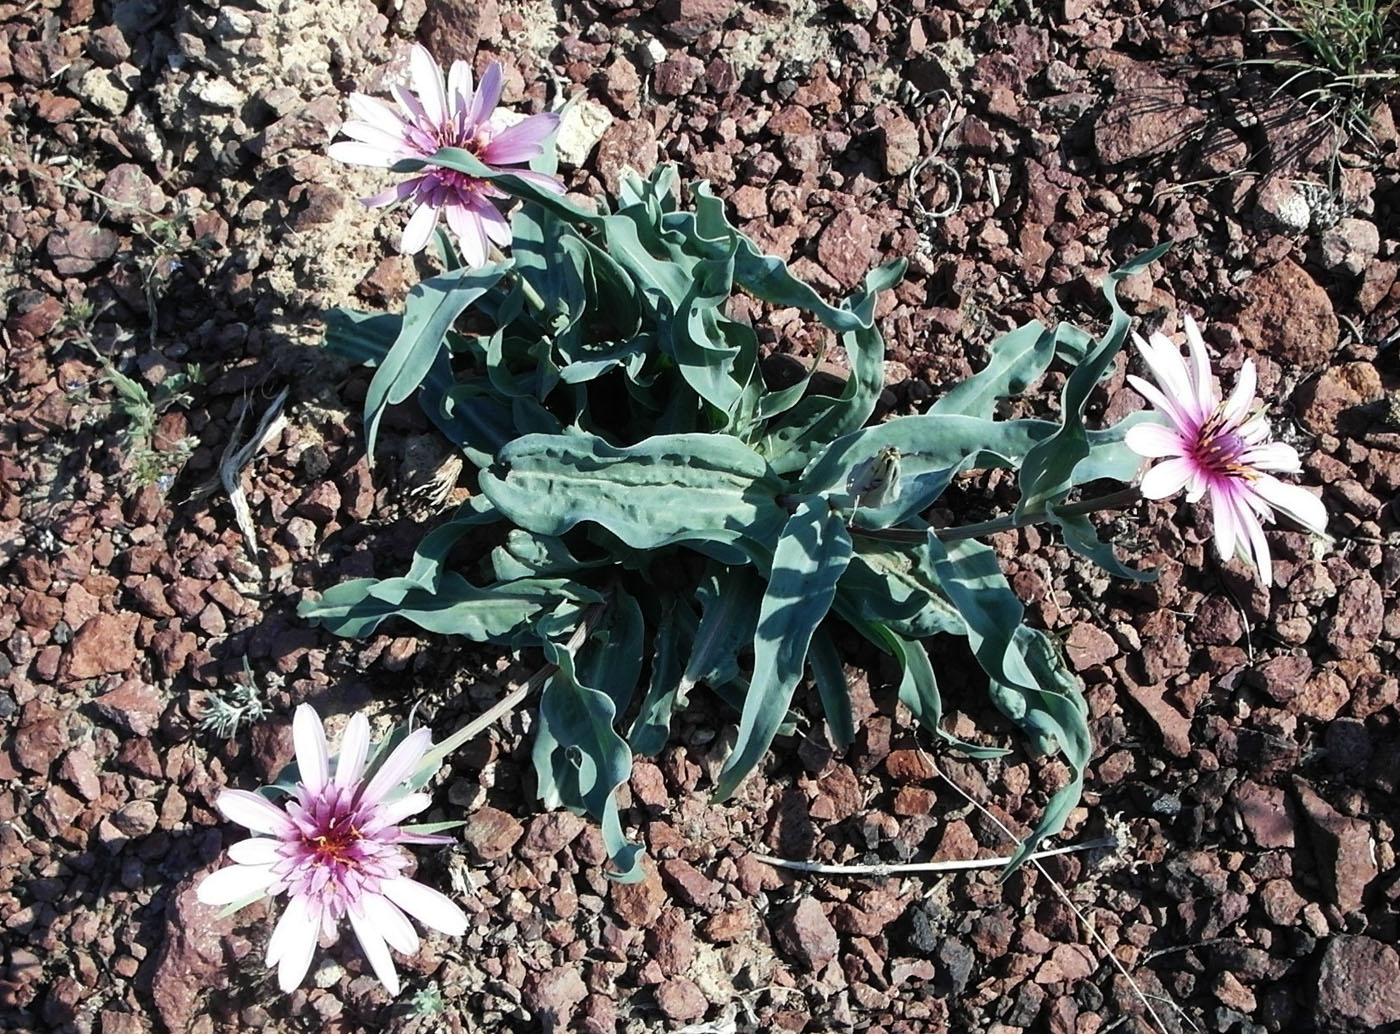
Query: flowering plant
[(671, 514), (1218, 447), (335, 850)]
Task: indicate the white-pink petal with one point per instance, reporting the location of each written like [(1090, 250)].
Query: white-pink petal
[(254, 811), (1274, 456), (419, 229), (392, 923), (1167, 478), (1154, 441), (398, 766), (1202, 379), (309, 742), (294, 941), (394, 812), (255, 851), (427, 83), (353, 152), (520, 142), (1295, 501), (1179, 417), (372, 942), (234, 883), (471, 235), (1241, 400), (430, 907), (459, 87), (376, 113), (488, 95), (354, 749)]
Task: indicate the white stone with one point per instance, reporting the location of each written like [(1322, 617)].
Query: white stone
[(580, 129)]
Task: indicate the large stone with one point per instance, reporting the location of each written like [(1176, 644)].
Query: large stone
[(81, 248), (1357, 985), (688, 20), (191, 958), (106, 644), (1289, 316), (1342, 848), (1147, 116), (1326, 402), (454, 29), (806, 935)]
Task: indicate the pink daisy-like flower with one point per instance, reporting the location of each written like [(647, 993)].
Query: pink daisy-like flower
[(1218, 447), (335, 851), (434, 116)]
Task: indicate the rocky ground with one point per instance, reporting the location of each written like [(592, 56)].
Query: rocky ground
[(173, 230)]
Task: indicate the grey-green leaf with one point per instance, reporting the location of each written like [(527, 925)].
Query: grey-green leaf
[(811, 555)]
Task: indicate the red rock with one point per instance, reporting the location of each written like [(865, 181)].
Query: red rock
[(1147, 115), (1325, 400), (1281, 902), (81, 247), (728, 926), (846, 247), (549, 833), (688, 20), (1342, 848), (680, 1000), (455, 29), (1265, 814), (913, 800), (627, 144), (1283, 678), (1217, 622), (1289, 316), (57, 810), (133, 706), (1088, 644), (805, 934), (191, 958), (909, 766), (689, 884), (671, 942), (1356, 984), (639, 903), (79, 769), (1173, 726), (1349, 246), (490, 833), (554, 994), (40, 738), (677, 75), (105, 644), (321, 504), (1356, 626), (899, 143)]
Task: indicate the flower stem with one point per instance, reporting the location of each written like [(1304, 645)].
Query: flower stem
[(531, 295), (1111, 501)]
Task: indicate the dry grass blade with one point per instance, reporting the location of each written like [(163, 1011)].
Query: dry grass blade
[(236, 458)]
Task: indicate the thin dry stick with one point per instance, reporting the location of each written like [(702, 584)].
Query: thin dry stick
[(1064, 896), (513, 699), (957, 865)]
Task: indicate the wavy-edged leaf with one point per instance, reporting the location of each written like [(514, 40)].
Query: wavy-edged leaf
[(1018, 360), (667, 489), (1047, 474), (832, 687), (611, 657), (588, 760), (495, 614), (429, 312), (674, 634), (918, 686), (1028, 679), (810, 556)]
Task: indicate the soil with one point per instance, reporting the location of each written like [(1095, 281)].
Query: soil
[(169, 216)]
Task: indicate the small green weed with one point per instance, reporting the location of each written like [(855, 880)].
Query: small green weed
[(1354, 53), (232, 705)]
